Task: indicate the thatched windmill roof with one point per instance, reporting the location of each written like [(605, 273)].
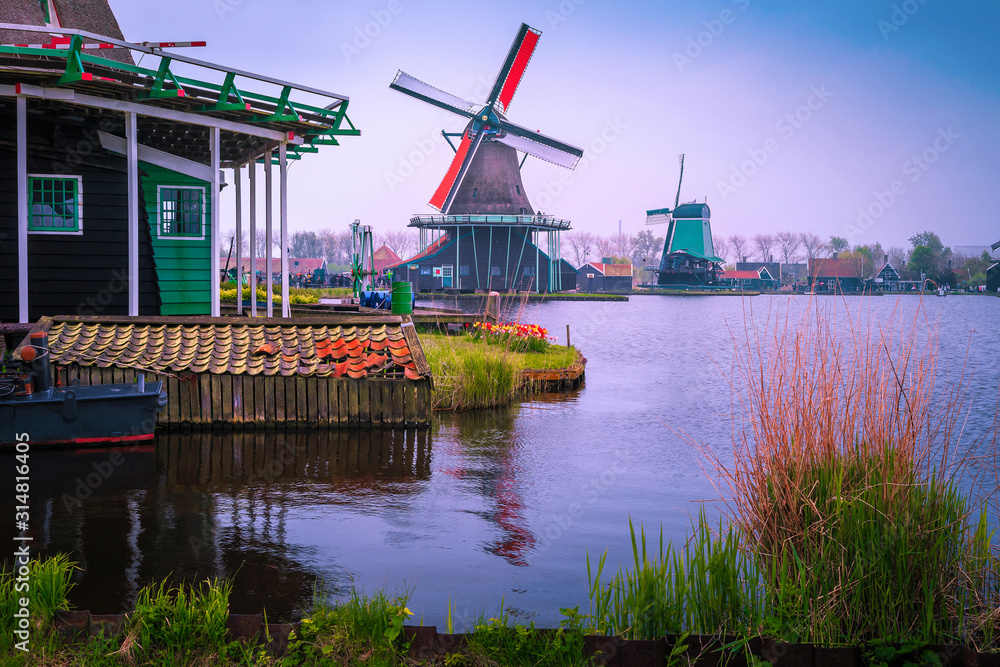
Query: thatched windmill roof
[(90, 15)]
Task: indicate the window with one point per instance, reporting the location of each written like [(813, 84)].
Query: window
[(474, 191), (463, 270), (518, 188), (181, 211), (529, 270), (494, 270), (54, 204)]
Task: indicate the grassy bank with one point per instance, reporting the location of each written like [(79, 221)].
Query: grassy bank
[(472, 373)]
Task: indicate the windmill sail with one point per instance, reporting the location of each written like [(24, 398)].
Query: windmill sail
[(414, 87), (445, 192), (540, 146), (513, 67)]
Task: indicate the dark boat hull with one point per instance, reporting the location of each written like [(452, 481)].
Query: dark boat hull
[(82, 415)]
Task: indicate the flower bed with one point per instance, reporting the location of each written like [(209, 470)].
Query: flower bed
[(518, 337)]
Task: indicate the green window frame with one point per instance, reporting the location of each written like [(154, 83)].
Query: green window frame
[(54, 205), (182, 211)]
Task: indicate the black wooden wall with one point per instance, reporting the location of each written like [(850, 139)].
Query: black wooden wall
[(72, 274), (512, 251)]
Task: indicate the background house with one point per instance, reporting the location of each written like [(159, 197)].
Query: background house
[(835, 274), (604, 277)]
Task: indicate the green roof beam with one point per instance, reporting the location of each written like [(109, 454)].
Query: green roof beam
[(165, 84), (228, 91), (284, 113), (74, 66)]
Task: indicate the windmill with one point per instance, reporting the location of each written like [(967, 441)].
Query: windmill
[(484, 179), (489, 124), (688, 251)]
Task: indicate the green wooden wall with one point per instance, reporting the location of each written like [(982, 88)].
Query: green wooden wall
[(183, 264)]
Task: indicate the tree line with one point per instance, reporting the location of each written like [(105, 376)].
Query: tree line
[(927, 256)]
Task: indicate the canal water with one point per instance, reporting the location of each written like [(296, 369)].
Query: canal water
[(480, 508)]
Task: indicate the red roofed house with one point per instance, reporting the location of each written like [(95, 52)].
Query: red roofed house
[(603, 277), (752, 280), (833, 274), (384, 257)]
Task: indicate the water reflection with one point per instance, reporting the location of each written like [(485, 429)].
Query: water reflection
[(199, 505), (489, 449)]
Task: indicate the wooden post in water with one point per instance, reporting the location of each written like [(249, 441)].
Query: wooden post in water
[(567, 336)]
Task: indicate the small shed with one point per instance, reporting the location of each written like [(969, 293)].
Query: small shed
[(835, 274), (603, 277), (748, 279)]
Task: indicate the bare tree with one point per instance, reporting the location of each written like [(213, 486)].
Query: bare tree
[(304, 244), (899, 258), (740, 246), (605, 245), (788, 243), (645, 248), (763, 243), (260, 243), (623, 244), (812, 244), (395, 239), (721, 247), (581, 243)]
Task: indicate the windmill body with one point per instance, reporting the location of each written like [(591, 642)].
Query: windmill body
[(488, 236), (688, 251)]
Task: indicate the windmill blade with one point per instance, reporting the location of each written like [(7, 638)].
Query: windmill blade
[(445, 192), (414, 87), (658, 216), (513, 67), (539, 145), (677, 199)]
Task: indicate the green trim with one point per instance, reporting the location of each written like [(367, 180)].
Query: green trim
[(45, 11), (284, 113), (52, 192), (227, 91), (74, 65), (164, 76)]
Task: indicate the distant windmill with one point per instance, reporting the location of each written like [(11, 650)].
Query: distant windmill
[(688, 251)]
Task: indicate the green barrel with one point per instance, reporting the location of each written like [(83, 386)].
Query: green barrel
[(402, 298)]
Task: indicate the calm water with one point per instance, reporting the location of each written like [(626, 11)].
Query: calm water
[(479, 507)]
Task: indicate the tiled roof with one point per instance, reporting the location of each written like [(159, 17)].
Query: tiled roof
[(618, 269), (384, 257), (739, 275), (845, 267), (357, 351), (426, 252)]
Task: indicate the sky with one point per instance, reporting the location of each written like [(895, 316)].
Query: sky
[(866, 119)]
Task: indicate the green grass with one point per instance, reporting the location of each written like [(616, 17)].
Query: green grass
[(498, 641), (706, 586), (470, 373)]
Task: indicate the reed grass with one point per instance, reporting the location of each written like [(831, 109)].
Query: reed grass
[(49, 584), (843, 483), (706, 586), (177, 622)]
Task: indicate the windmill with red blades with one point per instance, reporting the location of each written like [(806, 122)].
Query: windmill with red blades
[(487, 227)]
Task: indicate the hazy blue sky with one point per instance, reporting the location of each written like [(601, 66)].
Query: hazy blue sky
[(792, 115)]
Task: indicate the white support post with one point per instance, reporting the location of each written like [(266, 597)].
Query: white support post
[(132, 175), (252, 166), (214, 164), (268, 251), (238, 178), (286, 307), (22, 209)]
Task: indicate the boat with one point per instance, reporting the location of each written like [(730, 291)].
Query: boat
[(33, 410)]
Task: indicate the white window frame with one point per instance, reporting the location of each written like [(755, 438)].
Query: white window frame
[(79, 205), (159, 212)]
